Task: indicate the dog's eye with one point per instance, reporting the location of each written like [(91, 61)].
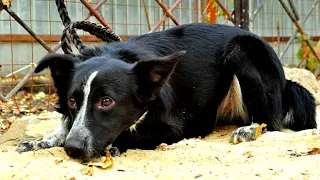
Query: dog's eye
[(72, 103), (106, 101)]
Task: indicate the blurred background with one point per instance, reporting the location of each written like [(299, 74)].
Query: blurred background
[(20, 51)]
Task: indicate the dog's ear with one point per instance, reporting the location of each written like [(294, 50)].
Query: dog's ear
[(61, 67), (152, 74), (56, 62)]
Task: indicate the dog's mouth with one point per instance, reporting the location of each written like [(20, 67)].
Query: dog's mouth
[(114, 151)]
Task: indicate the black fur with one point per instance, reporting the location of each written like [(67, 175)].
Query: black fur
[(180, 76)]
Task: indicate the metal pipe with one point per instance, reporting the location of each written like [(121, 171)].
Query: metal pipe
[(315, 3), (26, 27), (94, 12), (96, 8), (257, 10), (20, 84), (147, 14), (303, 36), (31, 72), (225, 11), (168, 13), (174, 6)]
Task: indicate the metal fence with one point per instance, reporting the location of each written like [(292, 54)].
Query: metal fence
[(272, 22), (19, 51)]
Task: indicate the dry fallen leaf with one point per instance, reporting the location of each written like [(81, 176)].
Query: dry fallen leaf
[(3, 3), (314, 151), (58, 161), (87, 170), (261, 130), (72, 178), (107, 162), (162, 147), (4, 124), (248, 154)]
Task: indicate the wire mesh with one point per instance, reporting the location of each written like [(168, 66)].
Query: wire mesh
[(19, 51)]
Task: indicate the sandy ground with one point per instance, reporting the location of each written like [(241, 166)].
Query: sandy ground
[(275, 155)]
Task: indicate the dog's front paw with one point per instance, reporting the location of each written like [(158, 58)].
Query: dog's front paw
[(114, 151), (27, 146), (247, 133), (32, 146), (36, 145)]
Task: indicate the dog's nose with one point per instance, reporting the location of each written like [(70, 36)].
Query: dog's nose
[(74, 148)]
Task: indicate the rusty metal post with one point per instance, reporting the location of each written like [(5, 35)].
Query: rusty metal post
[(174, 6), (96, 8), (241, 14), (168, 12), (27, 28), (30, 73), (94, 12)]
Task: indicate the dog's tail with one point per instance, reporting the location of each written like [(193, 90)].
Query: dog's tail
[(268, 96), (300, 106)]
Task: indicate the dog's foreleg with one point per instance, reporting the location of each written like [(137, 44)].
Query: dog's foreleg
[(55, 139), (149, 136)]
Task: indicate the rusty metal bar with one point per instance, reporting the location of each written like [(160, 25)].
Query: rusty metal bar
[(94, 12), (225, 10), (147, 14), (290, 41), (20, 84), (174, 6), (96, 8), (299, 29), (294, 10), (195, 10), (257, 10), (168, 13), (2, 98), (31, 72), (26, 27), (241, 14)]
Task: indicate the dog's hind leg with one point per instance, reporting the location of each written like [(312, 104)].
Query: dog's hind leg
[(261, 78), (55, 139)]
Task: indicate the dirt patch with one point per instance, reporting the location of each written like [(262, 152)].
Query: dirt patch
[(280, 155)]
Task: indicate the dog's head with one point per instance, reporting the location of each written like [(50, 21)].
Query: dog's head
[(103, 95)]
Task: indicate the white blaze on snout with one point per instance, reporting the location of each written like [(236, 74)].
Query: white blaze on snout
[(79, 130)]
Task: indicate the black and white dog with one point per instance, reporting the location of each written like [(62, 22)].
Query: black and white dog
[(165, 86)]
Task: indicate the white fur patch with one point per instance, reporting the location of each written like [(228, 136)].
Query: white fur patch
[(58, 136), (79, 122), (288, 120), (232, 105), (141, 118)]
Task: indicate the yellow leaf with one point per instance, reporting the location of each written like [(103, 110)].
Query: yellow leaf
[(107, 163), (87, 170), (260, 130)]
